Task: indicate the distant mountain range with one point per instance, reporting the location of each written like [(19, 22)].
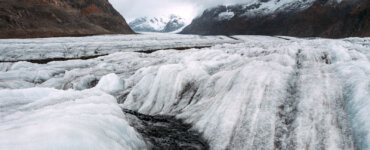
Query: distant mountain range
[(302, 18), (157, 24), (50, 18)]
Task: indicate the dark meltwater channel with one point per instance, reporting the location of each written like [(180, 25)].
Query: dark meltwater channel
[(166, 132)]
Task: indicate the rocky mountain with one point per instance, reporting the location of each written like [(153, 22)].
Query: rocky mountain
[(157, 24), (302, 18), (50, 18)]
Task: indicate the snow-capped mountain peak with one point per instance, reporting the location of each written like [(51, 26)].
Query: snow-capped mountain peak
[(157, 24), (304, 18), (146, 23)]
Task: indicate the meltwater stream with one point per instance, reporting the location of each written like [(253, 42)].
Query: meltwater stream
[(166, 132)]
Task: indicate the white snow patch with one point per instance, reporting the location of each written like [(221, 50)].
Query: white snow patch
[(226, 15), (272, 6), (111, 84), (44, 119)]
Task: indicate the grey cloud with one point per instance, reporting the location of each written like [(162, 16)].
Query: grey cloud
[(188, 9)]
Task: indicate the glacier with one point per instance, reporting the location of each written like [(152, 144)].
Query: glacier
[(13, 50), (45, 118), (258, 92)]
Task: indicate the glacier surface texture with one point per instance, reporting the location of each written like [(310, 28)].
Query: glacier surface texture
[(239, 92)]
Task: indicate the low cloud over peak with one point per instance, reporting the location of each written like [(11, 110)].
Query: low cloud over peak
[(187, 9)]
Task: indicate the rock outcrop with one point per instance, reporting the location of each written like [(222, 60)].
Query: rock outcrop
[(53, 18), (309, 18)]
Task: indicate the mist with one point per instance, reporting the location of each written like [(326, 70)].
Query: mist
[(187, 9)]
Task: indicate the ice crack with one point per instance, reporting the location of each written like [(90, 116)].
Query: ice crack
[(287, 112)]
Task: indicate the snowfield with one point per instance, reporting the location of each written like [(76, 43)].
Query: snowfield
[(244, 92)]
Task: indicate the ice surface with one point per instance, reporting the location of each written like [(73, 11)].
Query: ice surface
[(44, 119), (268, 92), (111, 83), (77, 47), (357, 95), (263, 93)]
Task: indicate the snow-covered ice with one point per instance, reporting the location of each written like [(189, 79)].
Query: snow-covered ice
[(261, 93), (79, 47), (45, 118), (111, 83)]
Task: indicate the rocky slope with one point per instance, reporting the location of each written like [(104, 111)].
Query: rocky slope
[(157, 24), (309, 18), (50, 18)]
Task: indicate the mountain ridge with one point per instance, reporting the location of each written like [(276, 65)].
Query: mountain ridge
[(311, 18), (55, 18)]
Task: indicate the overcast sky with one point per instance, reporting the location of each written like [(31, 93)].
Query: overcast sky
[(131, 9)]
